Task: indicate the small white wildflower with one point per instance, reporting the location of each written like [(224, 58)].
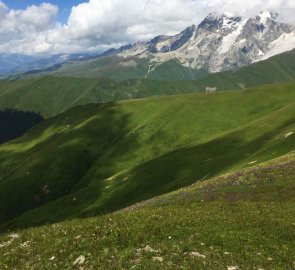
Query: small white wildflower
[(25, 244), (233, 267), (15, 235), (52, 258), (149, 249), (197, 254), (159, 259)]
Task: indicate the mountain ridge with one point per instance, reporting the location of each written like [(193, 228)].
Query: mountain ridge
[(220, 42), (133, 150), (51, 95)]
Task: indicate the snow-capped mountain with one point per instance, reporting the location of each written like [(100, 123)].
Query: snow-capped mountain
[(218, 43)]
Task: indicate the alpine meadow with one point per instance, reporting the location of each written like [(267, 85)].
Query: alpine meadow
[(147, 135)]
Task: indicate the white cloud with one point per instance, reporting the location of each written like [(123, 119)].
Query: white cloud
[(24, 31), (99, 24)]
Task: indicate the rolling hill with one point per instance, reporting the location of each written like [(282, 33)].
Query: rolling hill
[(53, 95), (243, 220), (99, 158)]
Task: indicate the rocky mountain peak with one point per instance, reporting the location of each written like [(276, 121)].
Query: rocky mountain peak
[(220, 42), (217, 20), (265, 16)]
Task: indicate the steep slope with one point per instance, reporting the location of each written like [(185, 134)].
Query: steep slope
[(243, 220), (104, 157)]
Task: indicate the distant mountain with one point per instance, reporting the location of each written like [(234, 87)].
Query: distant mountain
[(218, 43), (18, 63), (51, 95)]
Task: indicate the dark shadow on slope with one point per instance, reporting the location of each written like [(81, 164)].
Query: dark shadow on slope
[(170, 172), (52, 167), (185, 166), (14, 123)]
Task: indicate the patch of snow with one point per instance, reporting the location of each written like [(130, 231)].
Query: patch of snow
[(286, 42), (260, 53), (229, 40), (264, 16)]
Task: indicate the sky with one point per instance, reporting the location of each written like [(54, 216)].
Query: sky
[(65, 6), (38, 27)]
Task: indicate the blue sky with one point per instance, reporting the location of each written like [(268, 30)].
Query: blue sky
[(65, 6)]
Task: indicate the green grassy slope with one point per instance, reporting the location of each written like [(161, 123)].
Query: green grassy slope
[(53, 95), (98, 158), (120, 69), (275, 70), (244, 220)]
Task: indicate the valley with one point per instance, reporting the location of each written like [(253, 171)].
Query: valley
[(147, 135)]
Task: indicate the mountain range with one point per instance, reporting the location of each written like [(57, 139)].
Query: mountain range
[(175, 153), (219, 43), (51, 95)]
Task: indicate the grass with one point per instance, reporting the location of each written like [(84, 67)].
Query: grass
[(118, 68), (241, 220), (52, 95), (99, 158), (275, 70)]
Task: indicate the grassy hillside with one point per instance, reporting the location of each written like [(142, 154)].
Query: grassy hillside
[(244, 220), (275, 70), (120, 69), (53, 95), (14, 123), (102, 157)]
